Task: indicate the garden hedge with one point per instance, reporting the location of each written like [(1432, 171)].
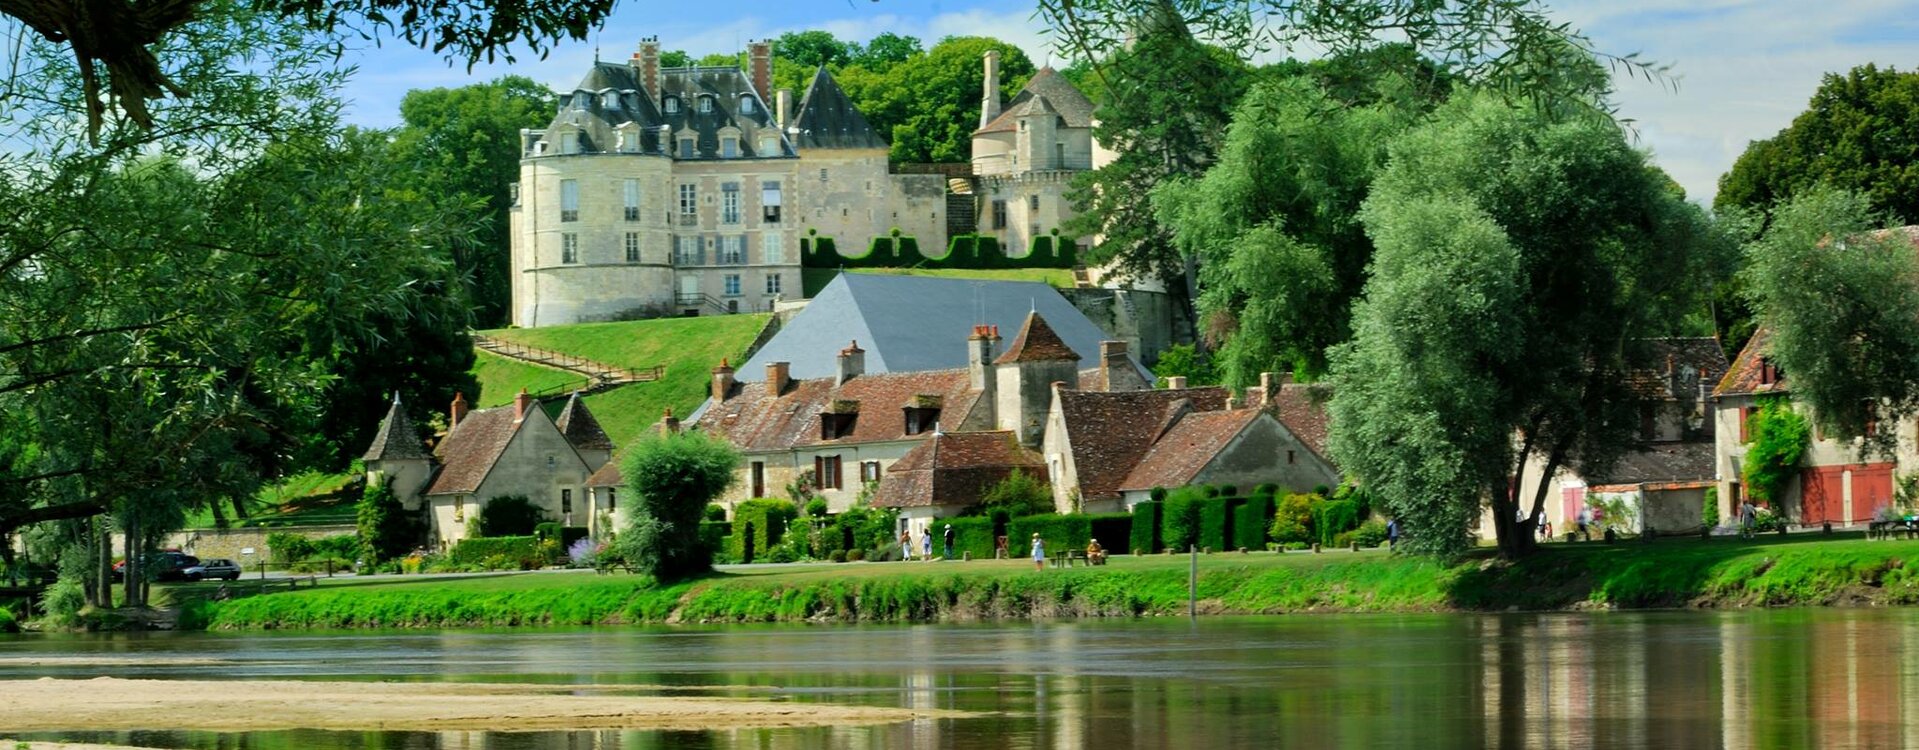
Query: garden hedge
[(768, 519), (1113, 530), (1145, 534), (1061, 533), (1179, 520), (523, 550), (1250, 522), (1216, 522), (970, 534), (966, 251), (1333, 518)]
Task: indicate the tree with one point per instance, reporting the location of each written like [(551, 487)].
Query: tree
[(885, 51), (1019, 494), (929, 104), (1521, 255), (812, 49), (1778, 437), (386, 530), (1839, 299), (672, 479), (1856, 134), (1167, 100), (464, 143)]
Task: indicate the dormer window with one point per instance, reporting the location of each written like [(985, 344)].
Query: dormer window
[(629, 140), (569, 143), (746, 104), (672, 105), (580, 99), (921, 420), (686, 148), (769, 146), (706, 104), (730, 148), (1768, 372), (836, 426)]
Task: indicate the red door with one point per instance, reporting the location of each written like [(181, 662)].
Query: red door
[(1871, 490), (1824, 496)]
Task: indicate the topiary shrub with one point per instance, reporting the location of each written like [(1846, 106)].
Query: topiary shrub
[(1709, 509), (1158, 494), (1215, 521), (1335, 517), (1146, 525), (714, 512), (1293, 519), (1179, 520), (767, 519), (816, 507), (1251, 521)]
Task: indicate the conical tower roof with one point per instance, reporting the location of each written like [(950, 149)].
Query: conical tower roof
[(1037, 342), (579, 426), (397, 438), (828, 119)]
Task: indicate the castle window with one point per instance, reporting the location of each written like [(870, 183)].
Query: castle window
[(772, 248), (1032, 203), (631, 193), (569, 248), (629, 141), (688, 252), (999, 214), (632, 247), (689, 204), (770, 202), (732, 251), (569, 143), (730, 203), (569, 200), (686, 148), (746, 104), (610, 100), (672, 105), (772, 283), (580, 99), (769, 146), (706, 104), (730, 148), (566, 502), (731, 283)]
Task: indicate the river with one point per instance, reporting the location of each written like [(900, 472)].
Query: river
[(1742, 679)]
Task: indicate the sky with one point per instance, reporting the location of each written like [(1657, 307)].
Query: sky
[(1741, 69)]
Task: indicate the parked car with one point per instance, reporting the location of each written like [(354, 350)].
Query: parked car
[(215, 568), (170, 565)]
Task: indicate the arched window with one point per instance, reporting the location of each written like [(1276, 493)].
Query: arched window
[(610, 100)]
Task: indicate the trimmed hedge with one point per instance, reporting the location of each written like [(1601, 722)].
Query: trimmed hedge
[(1113, 530), (769, 519), (1145, 534), (716, 534), (1061, 533), (1333, 518), (1179, 520), (966, 251), (1250, 522), (970, 534), (524, 550), (1216, 522)]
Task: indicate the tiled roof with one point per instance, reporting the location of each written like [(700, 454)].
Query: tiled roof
[(1059, 95), (467, 455), (607, 476), (1661, 462), (757, 421), (397, 438), (1189, 446), (1110, 432), (827, 119), (579, 426), (1673, 368), (1745, 374), (1301, 408), (1037, 342), (955, 468)]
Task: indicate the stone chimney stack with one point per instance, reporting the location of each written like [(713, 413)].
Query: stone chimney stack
[(778, 374), (457, 412), (759, 67), (722, 381), (1112, 362), (521, 403), (669, 424), (648, 61), (981, 348), (852, 363), (783, 107), (1176, 382), (1269, 387), (989, 94)]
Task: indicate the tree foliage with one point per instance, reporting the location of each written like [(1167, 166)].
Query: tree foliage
[(386, 530), (1777, 437), (507, 515), (672, 479), (1857, 133), (1019, 494), (1839, 298), (929, 104), (1520, 256)]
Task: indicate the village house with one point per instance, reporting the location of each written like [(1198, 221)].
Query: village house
[(491, 453)]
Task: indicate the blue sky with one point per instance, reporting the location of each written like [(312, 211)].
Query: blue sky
[(1743, 68)]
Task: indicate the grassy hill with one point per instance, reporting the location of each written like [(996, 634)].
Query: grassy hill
[(687, 347)]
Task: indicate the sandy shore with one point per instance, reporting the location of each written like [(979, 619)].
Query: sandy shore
[(232, 706)]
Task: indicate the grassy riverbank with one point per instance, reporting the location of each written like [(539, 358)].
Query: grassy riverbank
[(1801, 571)]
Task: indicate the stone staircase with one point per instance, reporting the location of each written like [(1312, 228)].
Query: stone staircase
[(600, 376)]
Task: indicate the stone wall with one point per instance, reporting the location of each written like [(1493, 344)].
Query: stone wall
[(227, 543), (1148, 322)]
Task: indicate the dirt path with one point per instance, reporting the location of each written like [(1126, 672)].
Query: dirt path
[(232, 706)]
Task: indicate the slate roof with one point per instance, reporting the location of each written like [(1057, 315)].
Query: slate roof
[(955, 469), (828, 119), (397, 438), (1110, 433), (1036, 342), (1661, 463), (1744, 376), (756, 420), (1056, 94), (1674, 367), (1301, 409), (1187, 447), (598, 121), (909, 323), (468, 454), (579, 426)]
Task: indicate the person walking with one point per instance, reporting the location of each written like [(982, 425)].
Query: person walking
[(1392, 534), (1748, 518), (948, 538), (1039, 552), (1585, 523), (906, 545), (926, 544)]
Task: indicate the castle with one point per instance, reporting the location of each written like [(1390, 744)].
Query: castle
[(687, 191)]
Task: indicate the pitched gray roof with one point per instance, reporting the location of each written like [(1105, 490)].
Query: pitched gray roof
[(598, 120), (397, 438), (579, 426), (915, 323), (1055, 94), (827, 119)]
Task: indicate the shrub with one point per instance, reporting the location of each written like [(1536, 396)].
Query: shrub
[(286, 547), (715, 512), (1060, 532), (1113, 530), (1158, 494), (517, 552), (1268, 489), (838, 556), (672, 479), (387, 531), (583, 553), (816, 507), (1179, 519), (1146, 525), (1709, 509), (1777, 442), (970, 534), (547, 530), (63, 601), (9, 623), (1334, 518), (855, 555), (1251, 520), (766, 520), (1019, 494), (1293, 518), (509, 515), (1215, 514), (1369, 534)]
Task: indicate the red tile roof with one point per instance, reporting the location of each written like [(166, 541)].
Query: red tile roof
[(468, 455), (1673, 368), (755, 420), (1301, 408), (1189, 446), (1110, 432), (955, 469), (1748, 368), (1037, 342)]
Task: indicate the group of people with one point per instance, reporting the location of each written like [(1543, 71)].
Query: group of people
[(926, 544)]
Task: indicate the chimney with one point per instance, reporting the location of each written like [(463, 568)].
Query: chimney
[(852, 363), (981, 348), (1175, 382), (457, 412), (648, 61), (778, 374), (783, 106), (521, 402), (989, 95), (669, 424), (1112, 359), (722, 381), (759, 66), (1270, 385), (1232, 402)]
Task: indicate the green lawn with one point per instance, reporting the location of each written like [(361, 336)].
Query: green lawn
[(815, 279), (311, 498), (501, 377), (688, 348)]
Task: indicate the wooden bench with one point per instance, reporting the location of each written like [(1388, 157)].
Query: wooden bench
[(1886, 529), (1075, 557)]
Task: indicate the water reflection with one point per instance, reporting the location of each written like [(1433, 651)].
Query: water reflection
[(1764, 679)]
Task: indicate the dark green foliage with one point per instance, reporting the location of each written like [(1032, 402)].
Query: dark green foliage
[(1251, 521), (1335, 517), (1179, 521), (1146, 525), (523, 552), (963, 252), (1709, 508), (1369, 535), (1777, 440), (1268, 489), (864, 529), (1113, 530), (1060, 532), (1186, 361), (672, 479), (1019, 494), (816, 507), (1157, 494), (386, 530), (715, 512), (1215, 518), (766, 520), (508, 515), (1845, 139), (286, 547), (970, 534), (547, 530), (717, 535)]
